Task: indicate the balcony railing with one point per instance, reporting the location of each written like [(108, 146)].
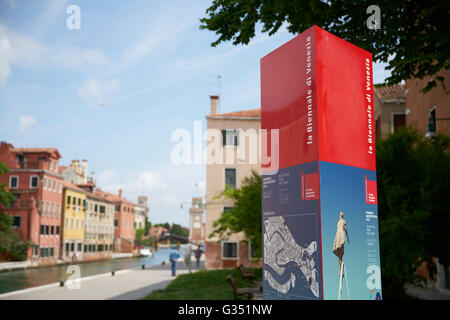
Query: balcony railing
[(20, 204), (32, 165)]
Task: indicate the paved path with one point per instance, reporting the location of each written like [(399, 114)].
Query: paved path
[(124, 285), (425, 293)]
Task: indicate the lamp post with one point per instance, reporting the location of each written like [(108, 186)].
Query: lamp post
[(181, 204), (202, 205)]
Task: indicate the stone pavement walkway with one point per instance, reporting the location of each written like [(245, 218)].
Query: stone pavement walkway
[(425, 293), (124, 285)]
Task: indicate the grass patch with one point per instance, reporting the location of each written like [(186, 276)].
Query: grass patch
[(204, 285)]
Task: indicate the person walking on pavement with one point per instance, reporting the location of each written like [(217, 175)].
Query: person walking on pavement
[(174, 255), (198, 254)]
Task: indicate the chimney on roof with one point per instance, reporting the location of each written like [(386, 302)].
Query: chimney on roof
[(92, 177), (214, 101), (142, 201), (76, 166), (84, 169), (120, 193), (5, 147)]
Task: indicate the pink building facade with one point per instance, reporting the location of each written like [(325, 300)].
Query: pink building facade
[(34, 180)]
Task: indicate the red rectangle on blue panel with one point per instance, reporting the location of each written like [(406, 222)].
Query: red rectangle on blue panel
[(310, 189), (371, 191)]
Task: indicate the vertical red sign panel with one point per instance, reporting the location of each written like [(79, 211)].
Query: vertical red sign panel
[(294, 96)]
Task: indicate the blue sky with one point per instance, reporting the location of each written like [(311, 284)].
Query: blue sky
[(150, 66)]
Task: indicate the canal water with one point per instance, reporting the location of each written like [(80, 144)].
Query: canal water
[(32, 277)]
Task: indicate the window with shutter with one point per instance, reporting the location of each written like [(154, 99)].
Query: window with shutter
[(229, 249), (230, 177), (230, 137)]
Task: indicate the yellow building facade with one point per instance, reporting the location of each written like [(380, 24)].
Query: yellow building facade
[(73, 223)]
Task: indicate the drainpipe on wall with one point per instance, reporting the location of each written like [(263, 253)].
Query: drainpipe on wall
[(39, 234), (30, 212)]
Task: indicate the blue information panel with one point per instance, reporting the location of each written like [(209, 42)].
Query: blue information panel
[(311, 219), (347, 190), (291, 232)]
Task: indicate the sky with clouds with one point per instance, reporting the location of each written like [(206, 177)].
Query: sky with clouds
[(113, 91)]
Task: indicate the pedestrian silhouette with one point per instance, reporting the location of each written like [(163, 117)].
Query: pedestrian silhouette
[(198, 254), (174, 255)]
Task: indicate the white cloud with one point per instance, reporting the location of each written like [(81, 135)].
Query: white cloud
[(24, 50), (12, 3), (96, 91), (155, 42), (149, 180), (106, 177), (16, 49), (164, 31), (73, 58), (19, 49), (141, 49), (5, 59), (201, 185), (166, 188), (145, 182), (196, 63), (25, 122)]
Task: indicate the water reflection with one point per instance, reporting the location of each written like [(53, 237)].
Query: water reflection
[(26, 278)]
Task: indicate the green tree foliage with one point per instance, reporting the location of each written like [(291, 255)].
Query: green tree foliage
[(148, 226), (5, 196), (164, 225), (414, 215), (11, 248), (179, 230), (139, 234), (413, 36), (245, 216), (174, 228)]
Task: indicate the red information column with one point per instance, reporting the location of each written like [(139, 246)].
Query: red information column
[(317, 92)]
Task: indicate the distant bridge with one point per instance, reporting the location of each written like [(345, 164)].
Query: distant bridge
[(173, 238)]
